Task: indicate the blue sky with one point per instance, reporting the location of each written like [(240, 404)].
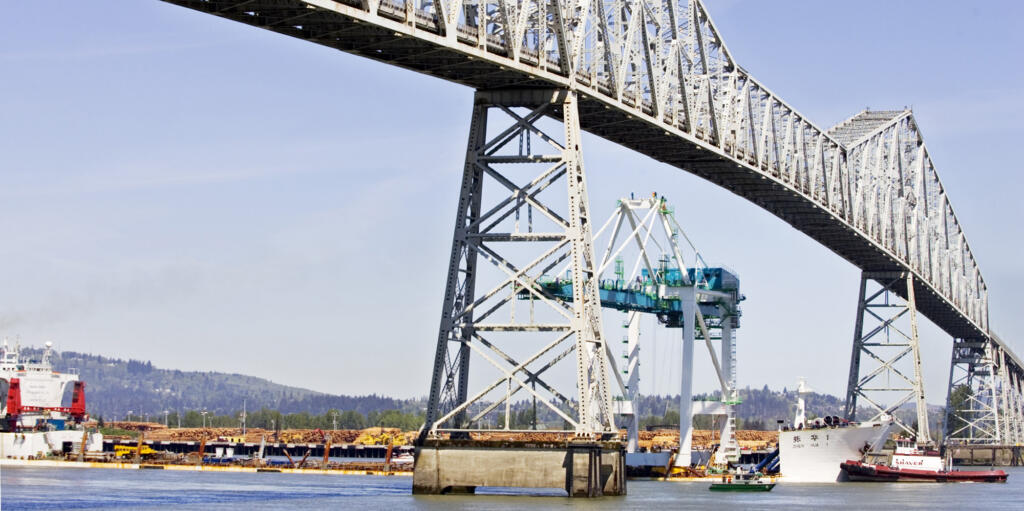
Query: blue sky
[(209, 196)]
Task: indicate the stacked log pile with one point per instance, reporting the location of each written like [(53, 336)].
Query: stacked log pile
[(539, 436), (703, 439), (136, 426), (651, 440), (369, 436)]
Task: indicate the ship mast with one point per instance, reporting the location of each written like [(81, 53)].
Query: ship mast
[(801, 405)]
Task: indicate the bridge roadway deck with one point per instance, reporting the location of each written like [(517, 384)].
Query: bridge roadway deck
[(420, 46)]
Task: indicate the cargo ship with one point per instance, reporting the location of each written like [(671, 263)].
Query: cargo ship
[(33, 422), (810, 451)]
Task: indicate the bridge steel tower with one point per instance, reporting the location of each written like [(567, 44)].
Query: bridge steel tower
[(893, 376), (984, 405), (467, 318), (501, 152)]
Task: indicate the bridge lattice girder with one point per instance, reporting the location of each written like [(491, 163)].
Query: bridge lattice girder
[(657, 77)]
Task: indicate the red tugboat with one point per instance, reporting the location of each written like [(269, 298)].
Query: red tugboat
[(910, 464)]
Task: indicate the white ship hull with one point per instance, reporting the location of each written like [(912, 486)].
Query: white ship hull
[(814, 455), (39, 444)]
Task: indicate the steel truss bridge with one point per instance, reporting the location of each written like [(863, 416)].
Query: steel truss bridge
[(657, 77)]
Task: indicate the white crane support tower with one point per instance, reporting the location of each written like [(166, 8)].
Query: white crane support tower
[(646, 239)]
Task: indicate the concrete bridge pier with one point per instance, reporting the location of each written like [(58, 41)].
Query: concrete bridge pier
[(582, 469)]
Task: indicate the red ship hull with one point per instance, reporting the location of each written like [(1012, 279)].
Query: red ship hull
[(857, 471)]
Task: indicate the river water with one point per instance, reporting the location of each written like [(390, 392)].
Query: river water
[(78, 488)]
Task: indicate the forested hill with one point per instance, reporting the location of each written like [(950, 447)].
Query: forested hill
[(115, 386), (760, 408)]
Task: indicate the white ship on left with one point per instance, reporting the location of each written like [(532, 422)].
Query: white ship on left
[(33, 424)]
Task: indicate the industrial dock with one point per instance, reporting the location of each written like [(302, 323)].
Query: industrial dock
[(378, 451)]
